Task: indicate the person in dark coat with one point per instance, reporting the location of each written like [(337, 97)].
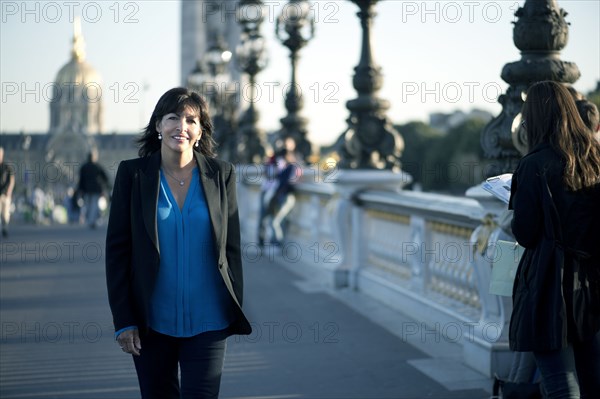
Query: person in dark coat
[(173, 253), (93, 181), (555, 195)]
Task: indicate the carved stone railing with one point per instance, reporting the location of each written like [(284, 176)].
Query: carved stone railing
[(425, 255)]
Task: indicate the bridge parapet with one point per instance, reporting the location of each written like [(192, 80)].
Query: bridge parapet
[(426, 255)]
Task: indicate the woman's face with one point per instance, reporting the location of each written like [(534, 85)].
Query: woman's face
[(179, 131)]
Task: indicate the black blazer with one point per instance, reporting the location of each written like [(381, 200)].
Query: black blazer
[(132, 250), (556, 297)]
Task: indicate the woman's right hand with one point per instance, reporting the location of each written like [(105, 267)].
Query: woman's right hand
[(129, 341)]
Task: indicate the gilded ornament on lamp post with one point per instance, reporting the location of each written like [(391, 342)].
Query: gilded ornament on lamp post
[(370, 141)]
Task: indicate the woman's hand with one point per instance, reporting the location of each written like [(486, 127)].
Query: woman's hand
[(129, 341)]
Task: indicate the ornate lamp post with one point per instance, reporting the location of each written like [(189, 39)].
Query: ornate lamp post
[(540, 33), (251, 58), (370, 141), (210, 78), (294, 27)]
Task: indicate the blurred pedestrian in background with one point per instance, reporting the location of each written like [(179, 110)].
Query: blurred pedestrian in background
[(284, 198), (7, 185), (93, 182), (71, 202), (268, 188)]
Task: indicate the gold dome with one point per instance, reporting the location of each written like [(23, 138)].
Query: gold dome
[(77, 72), (77, 93)]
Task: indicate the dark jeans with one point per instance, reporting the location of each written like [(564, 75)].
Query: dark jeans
[(523, 368), (573, 372), (200, 358)]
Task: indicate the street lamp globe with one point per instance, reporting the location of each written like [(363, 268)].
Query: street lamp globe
[(250, 14), (251, 54), (217, 58)]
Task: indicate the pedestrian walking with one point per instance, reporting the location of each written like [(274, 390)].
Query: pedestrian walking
[(93, 182), (71, 204), (268, 188), (555, 195), (173, 253), (38, 200), (7, 185), (284, 198)]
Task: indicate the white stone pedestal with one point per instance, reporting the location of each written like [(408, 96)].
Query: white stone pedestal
[(347, 184)]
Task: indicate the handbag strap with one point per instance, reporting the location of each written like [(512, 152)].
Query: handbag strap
[(551, 217)]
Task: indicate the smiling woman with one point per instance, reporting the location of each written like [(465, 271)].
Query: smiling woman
[(181, 109), (173, 259)]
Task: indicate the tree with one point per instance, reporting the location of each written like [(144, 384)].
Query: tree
[(449, 162), (418, 137)]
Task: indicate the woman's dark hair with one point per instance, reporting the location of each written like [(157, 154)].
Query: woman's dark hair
[(175, 101), (551, 116)]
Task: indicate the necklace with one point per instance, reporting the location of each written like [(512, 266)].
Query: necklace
[(181, 182)]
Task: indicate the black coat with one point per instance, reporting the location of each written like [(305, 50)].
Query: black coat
[(132, 250), (556, 296), (92, 179)]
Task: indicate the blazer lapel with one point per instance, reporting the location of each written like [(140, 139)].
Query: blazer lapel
[(149, 187), (209, 178)]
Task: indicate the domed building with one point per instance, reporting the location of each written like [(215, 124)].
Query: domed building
[(75, 108), (51, 160)]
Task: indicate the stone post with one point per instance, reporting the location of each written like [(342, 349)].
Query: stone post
[(540, 32)]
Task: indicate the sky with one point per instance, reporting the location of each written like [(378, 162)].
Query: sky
[(435, 56)]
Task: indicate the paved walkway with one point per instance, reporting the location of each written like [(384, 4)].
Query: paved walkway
[(308, 342)]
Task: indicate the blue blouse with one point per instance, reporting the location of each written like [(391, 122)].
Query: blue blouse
[(190, 296)]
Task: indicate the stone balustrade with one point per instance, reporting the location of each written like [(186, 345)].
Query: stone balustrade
[(426, 255)]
